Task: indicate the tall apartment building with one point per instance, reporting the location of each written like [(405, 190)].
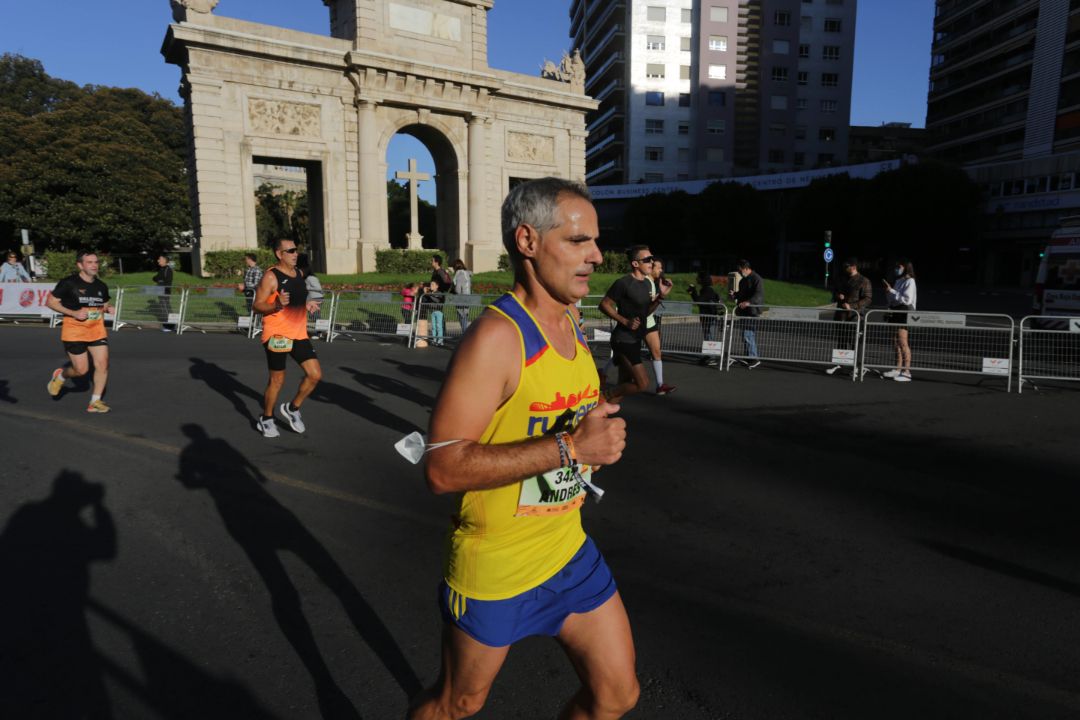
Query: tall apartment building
[(1004, 101), (699, 89)]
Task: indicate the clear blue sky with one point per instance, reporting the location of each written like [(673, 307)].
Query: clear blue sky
[(118, 43)]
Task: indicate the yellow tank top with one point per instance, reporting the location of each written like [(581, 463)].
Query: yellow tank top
[(511, 539)]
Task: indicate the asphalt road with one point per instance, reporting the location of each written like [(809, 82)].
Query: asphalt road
[(789, 545)]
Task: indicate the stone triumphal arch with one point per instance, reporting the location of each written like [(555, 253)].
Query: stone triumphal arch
[(256, 93)]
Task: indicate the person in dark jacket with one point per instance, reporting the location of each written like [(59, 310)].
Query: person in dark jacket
[(709, 309), (853, 293), (748, 301), (164, 279)]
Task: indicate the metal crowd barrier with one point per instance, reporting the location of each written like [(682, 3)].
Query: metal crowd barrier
[(809, 336), (142, 304), (967, 343), (694, 329), (1049, 349), (364, 312), (597, 327), (439, 323), (214, 309)]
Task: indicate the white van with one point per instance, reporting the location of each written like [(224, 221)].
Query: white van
[(1057, 285)]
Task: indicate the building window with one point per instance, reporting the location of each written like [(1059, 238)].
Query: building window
[(777, 156), (806, 23), (717, 14), (830, 79), (826, 134), (778, 102), (687, 15), (716, 127), (778, 129), (654, 127), (830, 52), (825, 158), (654, 98), (828, 106), (656, 14), (718, 43), (714, 154), (684, 99), (800, 104), (800, 132), (833, 25), (804, 77), (779, 74), (782, 18), (717, 98), (684, 127), (781, 47), (654, 42), (654, 177), (718, 72), (654, 71), (804, 51), (682, 177), (799, 159), (684, 72), (654, 154), (684, 44), (684, 155)]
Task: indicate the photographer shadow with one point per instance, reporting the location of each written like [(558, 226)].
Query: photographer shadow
[(48, 664), (264, 528), (225, 384)]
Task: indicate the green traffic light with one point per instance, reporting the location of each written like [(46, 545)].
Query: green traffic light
[(828, 244)]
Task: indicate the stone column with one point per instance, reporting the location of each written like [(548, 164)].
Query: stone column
[(478, 240), (372, 187)]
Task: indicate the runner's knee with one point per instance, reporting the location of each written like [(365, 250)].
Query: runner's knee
[(314, 374), (617, 697), (467, 705)]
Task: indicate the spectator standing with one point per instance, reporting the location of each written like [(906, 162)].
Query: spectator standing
[(462, 286), (314, 291), (440, 284), (163, 278), (902, 299), (748, 301), (408, 301), (853, 294), (652, 326), (13, 271), (708, 309), (252, 277)]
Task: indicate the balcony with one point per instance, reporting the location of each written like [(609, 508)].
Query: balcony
[(608, 90), (608, 142), (594, 77), (608, 168), (597, 48), (602, 22), (604, 118)]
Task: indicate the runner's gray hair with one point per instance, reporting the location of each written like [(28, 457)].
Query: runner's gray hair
[(534, 203)]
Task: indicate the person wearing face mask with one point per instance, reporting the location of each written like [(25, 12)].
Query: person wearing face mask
[(902, 298)]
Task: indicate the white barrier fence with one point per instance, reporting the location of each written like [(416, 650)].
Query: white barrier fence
[(356, 313), (441, 322), (808, 336), (693, 329), (1049, 349), (966, 343)]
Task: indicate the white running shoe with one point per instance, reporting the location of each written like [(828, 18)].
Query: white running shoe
[(832, 370), (892, 374), (292, 417), (902, 378), (268, 428)]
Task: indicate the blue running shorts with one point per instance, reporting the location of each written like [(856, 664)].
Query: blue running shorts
[(584, 584)]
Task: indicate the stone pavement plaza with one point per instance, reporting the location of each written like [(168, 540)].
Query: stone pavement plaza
[(789, 545)]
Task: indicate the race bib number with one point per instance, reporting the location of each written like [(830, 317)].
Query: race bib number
[(279, 344), (553, 493), (93, 314)]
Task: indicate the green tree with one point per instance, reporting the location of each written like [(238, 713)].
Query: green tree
[(397, 198), (27, 90), (281, 213)]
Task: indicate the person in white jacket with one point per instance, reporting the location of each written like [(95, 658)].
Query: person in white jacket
[(902, 299)]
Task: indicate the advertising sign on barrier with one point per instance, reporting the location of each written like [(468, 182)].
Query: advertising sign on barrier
[(951, 319), (995, 366), (243, 322), (322, 326), (404, 329), (712, 347), (785, 313), (843, 357), (601, 336), (25, 299), (174, 318)]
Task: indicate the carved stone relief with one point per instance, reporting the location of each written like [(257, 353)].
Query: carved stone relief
[(530, 148), (277, 117), (199, 6)]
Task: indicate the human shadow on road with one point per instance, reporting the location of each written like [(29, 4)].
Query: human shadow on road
[(224, 383), (264, 528), (420, 372), (48, 665), (391, 386), (5, 393), (361, 405)]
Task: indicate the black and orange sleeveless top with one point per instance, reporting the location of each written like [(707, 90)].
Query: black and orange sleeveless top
[(291, 320)]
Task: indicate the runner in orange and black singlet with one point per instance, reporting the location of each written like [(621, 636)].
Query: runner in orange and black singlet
[(83, 300), (282, 300)]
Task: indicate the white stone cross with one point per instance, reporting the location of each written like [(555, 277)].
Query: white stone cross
[(414, 177)]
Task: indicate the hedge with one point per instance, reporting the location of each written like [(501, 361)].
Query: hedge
[(230, 263), (614, 262), (406, 261), (60, 264)]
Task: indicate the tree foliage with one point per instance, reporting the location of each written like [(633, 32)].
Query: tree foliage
[(281, 213), (96, 166), (397, 198)]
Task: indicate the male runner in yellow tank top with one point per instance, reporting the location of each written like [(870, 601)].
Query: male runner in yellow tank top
[(522, 402)]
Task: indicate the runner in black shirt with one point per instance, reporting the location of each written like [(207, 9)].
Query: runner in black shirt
[(83, 300), (629, 303)]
